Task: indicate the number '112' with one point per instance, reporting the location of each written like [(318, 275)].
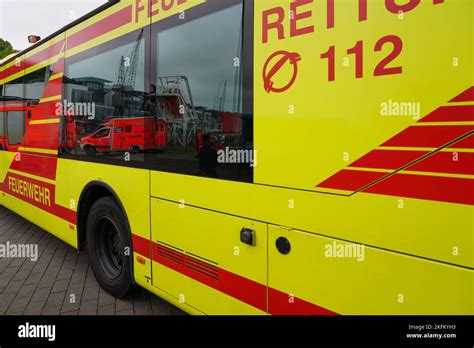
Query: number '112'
[(358, 51)]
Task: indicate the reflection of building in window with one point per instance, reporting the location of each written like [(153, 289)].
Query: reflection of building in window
[(199, 84), (112, 80)]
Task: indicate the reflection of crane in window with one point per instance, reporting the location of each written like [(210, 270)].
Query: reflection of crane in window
[(176, 106), (127, 76)]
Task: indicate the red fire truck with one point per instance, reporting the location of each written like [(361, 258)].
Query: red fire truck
[(123, 134)]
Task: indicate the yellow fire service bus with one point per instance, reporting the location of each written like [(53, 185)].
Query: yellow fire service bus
[(317, 155)]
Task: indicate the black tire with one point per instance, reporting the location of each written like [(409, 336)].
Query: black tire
[(136, 149), (90, 150), (108, 237)]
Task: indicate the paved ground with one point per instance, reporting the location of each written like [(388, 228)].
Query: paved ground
[(61, 281)]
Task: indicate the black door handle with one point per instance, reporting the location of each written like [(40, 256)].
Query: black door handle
[(247, 236)]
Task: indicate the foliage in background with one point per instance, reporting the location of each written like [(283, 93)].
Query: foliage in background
[(5, 48)]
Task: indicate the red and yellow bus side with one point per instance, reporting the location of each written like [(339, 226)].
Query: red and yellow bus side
[(332, 171)]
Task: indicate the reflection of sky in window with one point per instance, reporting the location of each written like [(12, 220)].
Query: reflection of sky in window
[(106, 66), (204, 51)]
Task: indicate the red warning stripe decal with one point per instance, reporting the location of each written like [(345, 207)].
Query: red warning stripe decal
[(37, 193), (388, 159), (429, 187), (280, 303), (101, 27), (466, 143), (436, 188), (234, 285), (141, 246), (35, 136), (351, 180), (34, 59), (428, 136), (53, 88), (38, 165), (231, 284), (446, 162), (466, 96), (461, 113)]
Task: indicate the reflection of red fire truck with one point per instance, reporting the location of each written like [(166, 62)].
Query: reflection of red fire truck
[(123, 134), (15, 115)]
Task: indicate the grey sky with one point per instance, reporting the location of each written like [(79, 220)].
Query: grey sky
[(20, 18)]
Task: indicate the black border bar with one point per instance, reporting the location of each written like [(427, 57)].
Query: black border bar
[(290, 331)]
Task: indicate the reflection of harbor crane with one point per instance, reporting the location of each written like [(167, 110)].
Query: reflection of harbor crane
[(127, 75), (220, 98)]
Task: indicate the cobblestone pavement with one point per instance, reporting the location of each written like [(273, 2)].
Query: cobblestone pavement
[(46, 287)]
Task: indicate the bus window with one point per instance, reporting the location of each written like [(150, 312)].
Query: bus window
[(197, 73), (14, 88), (35, 84), (15, 127), (106, 86)]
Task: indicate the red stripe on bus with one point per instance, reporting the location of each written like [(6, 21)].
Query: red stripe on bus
[(35, 136), (466, 143), (388, 159), (34, 59), (141, 246), (14, 69), (280, 303), (446, 162), (38, 165), (428, 136), (53, 89), (234, 285), (40, 154), (52, 208), (101, 27), (44, 54), (435, 188), (59, 66), (228, 283), (467, 95), (351, 180), (458, 113), (45, 111)]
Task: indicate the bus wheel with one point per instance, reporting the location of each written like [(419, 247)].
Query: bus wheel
[(108, 247), (90, 150), (136, 149)]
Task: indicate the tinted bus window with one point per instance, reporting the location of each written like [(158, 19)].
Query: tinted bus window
[(35, 84), (15, 126), (197, 93), (14, 88), (105, 88)]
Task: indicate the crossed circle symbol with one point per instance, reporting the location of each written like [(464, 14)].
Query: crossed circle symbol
[(284, 56)]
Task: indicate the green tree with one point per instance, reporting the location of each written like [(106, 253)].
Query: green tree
[(5, 48)]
